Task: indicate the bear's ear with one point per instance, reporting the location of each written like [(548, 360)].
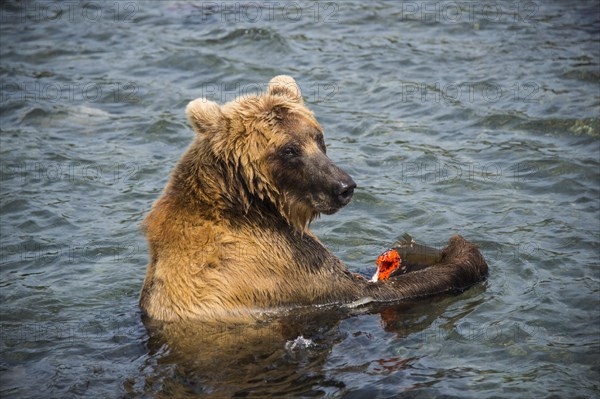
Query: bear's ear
[(286, 86), (205, 116)]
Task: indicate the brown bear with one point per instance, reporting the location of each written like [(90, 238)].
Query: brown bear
[(229, 235)]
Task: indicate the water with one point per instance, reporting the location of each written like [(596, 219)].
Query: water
[(480, 120)]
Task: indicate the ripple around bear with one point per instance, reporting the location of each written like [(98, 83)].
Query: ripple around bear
[(229, 235)]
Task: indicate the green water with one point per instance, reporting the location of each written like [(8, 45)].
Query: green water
[(475, 118)]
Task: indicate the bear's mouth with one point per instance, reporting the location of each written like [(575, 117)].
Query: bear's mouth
[(329, 211), (328, 205), (329, 202)]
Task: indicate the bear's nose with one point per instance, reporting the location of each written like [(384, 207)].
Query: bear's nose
[(344, 191)]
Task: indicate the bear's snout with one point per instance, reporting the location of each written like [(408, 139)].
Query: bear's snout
[(344, 190)]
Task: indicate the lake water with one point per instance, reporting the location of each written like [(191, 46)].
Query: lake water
[(475, 118)]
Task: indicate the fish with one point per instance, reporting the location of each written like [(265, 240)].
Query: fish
[(405, 255)]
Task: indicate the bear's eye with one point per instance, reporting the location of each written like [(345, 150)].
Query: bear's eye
[(290, 151), (321, 143)]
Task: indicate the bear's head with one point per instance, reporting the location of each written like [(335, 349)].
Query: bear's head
[(272, 151)]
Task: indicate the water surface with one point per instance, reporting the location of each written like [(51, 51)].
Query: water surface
[(480, 120)]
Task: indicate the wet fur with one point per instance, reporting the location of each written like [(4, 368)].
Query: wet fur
[(229, 235)]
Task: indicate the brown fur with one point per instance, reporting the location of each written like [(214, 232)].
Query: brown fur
[(229, 235)]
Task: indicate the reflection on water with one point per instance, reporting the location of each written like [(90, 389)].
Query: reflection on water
[(286, 355)]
